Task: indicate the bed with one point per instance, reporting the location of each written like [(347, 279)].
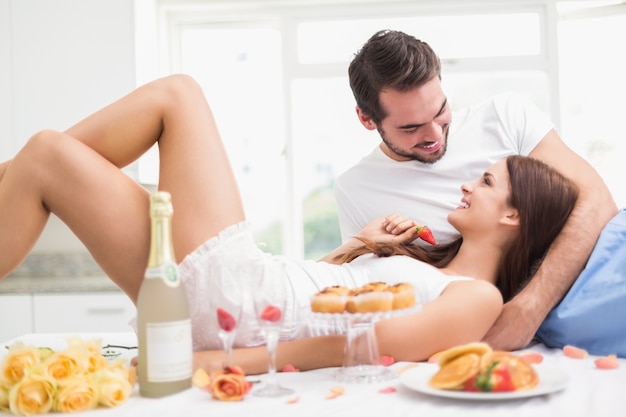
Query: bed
[(569, 388)]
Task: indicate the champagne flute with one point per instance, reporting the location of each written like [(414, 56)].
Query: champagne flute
[(270, 298), (226, 306)]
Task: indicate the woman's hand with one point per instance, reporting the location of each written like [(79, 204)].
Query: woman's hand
[(393, 228), (209, 360)]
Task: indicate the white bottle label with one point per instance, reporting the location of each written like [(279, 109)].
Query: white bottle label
[(169, 351), (168, 272)]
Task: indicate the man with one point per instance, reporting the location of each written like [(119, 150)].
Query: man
[(427, 152)]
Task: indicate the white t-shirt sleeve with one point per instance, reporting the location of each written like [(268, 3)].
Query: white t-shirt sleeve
[(350, 217), (525, 124)]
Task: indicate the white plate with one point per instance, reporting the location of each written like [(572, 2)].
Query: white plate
[(550, 380)]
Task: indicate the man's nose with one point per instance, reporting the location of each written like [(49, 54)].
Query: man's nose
[(433, 131)]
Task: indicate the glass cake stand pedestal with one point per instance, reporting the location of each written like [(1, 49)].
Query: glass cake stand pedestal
[(361, 360)]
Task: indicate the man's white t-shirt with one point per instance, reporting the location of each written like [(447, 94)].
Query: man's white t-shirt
[(479, 136)]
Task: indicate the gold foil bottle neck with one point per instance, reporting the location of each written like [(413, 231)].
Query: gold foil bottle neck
[(161, 204)]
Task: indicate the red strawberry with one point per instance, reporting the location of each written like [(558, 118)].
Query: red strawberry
[(496, 378), (225, 320), (470, 384), (271, 313), (501, 379), (424, 233)]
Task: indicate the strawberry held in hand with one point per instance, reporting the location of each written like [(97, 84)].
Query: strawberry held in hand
[(424, 233)]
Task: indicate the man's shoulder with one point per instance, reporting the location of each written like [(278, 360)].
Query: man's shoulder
[(494, 103), (367, 164)]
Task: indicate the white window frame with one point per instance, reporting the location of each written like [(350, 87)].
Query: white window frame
[(169, 16)]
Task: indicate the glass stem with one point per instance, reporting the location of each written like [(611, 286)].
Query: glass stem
[(272, 344), (227, 341)]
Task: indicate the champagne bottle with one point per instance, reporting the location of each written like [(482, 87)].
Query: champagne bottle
[(163, 323)]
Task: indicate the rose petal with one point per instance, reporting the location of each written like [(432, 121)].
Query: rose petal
[(532, 357), (387, 360), (434, 358), (574, 352), (335, 392), (201, 379), (607, 362), (293, 400), (387, 390), (338, 390), (289, 368)]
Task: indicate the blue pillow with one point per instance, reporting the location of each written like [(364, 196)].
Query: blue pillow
[(592, 315)]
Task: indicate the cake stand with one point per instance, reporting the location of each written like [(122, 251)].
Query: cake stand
[(361, 360)]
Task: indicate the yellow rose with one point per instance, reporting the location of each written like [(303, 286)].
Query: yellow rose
[(129, 372), (18, 360), (64, 364), (229, 384), (4, 397), (76, 393), (91, 350), (114, 386), (32, 395)]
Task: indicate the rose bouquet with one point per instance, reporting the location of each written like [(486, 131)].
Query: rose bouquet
[(39, 380)]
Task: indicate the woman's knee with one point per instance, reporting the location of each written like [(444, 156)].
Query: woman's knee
[(44, 144), (177, 88), (46, 152)]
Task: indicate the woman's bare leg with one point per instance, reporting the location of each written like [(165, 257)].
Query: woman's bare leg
[(194, 166), (85, 176), (3, 167), (103, 207)]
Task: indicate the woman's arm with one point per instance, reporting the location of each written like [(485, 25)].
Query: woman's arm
[(304, 354), (463, 313), (389, 229)]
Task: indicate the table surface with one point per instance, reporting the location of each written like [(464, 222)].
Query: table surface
[(590, 392)]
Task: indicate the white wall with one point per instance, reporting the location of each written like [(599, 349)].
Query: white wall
[(6, 115), (60, 60)]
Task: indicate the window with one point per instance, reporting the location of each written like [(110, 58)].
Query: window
[(276, 77), (592, 68)]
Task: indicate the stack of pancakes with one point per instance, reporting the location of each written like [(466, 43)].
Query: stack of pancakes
[(461, 363)]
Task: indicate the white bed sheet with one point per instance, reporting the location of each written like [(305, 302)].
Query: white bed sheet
[(590, 392)]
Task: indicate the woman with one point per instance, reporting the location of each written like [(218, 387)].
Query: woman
[(76, 175)]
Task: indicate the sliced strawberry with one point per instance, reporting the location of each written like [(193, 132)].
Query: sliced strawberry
[(496, 378), (271, 313), (225, 320), (470, 384), (424, 233), (501, 379)]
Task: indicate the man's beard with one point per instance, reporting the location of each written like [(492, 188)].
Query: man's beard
[(417, 156)]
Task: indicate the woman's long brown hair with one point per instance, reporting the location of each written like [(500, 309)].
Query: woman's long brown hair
[(544, 200)]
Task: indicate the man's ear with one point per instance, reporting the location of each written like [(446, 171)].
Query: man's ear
[(365, 119), (511, 218)]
